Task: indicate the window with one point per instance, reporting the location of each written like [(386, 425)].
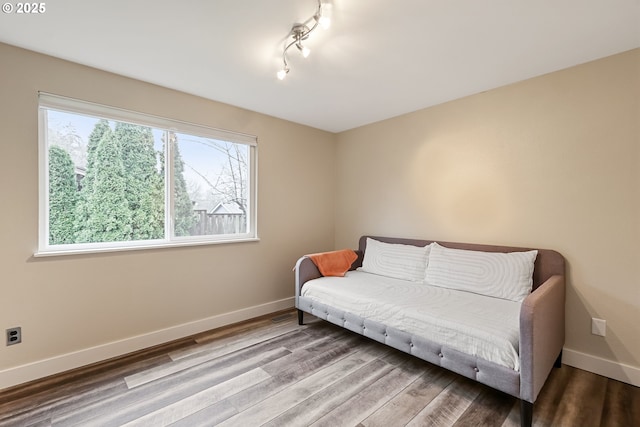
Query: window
[(113, 179)]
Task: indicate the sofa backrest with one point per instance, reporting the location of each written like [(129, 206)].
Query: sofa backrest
[(548, 262)]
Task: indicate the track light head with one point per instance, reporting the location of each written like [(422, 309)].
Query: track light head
[(283, 73), (303, 49)]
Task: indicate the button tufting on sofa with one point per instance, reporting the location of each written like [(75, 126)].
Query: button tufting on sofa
[(440, 354), (476, 369)]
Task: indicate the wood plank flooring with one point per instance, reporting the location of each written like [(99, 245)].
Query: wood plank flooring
[(272, 372)]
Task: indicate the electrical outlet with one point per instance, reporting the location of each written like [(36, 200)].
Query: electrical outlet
[(14, 335), (598, 327)]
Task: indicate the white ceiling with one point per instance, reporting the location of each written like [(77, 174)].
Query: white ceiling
[(379, 59)]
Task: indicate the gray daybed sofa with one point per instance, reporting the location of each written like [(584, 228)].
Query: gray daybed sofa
[(541, 325)]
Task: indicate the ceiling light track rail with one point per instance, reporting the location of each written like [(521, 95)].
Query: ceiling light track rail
[(301, 32)]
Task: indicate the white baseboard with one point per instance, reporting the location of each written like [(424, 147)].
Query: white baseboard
[(605, 367), (43, 368)]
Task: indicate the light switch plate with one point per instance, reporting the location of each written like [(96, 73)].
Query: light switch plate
[(598, 327)]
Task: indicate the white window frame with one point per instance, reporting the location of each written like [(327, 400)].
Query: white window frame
[(70, 105)]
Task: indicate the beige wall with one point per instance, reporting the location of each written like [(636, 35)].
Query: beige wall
[(71, 303), (551, 162)]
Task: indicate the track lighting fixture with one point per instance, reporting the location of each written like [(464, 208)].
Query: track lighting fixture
[(301, 32)]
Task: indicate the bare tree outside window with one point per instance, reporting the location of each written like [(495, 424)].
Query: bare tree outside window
[(216, 172)]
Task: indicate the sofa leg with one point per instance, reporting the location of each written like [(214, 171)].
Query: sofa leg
[(558, 362), (526, 413), (300, 317)]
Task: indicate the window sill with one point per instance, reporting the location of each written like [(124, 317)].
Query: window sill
[(163, 245)]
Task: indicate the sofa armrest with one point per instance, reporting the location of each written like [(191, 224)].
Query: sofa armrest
[(306, 270), (541, 335)]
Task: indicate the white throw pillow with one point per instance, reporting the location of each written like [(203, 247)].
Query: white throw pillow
[(501, 275), (395, 260)]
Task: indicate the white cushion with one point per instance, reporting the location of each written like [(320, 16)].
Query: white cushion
[(405, 262), (501, 275)]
